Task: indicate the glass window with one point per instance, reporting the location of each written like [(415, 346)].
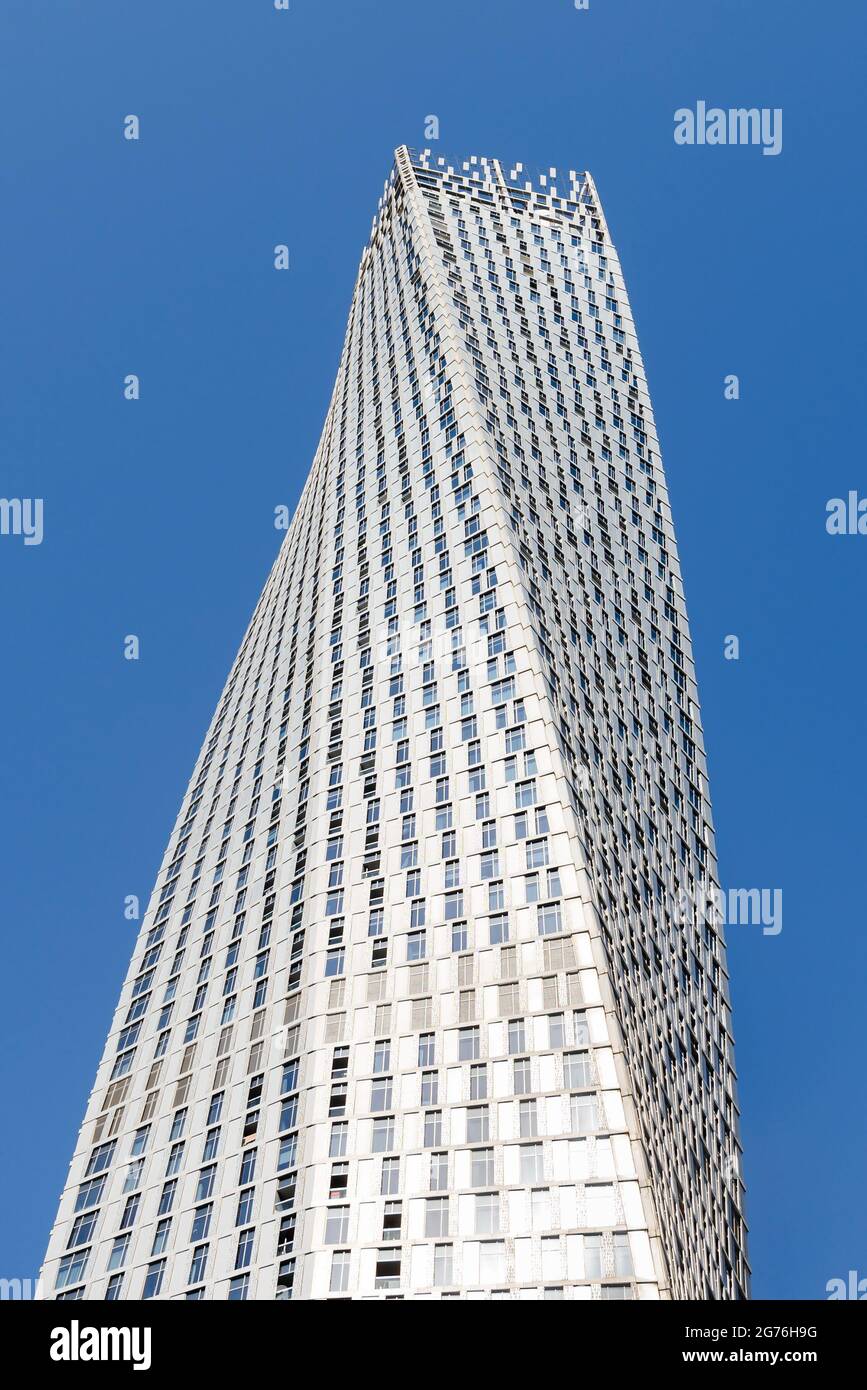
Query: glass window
[(89, 1194), (540, 1208), (478, 1125), (381, 1093), (119, 1252), (387, 1269), (433, 1128), (583, 1113), (492, 1261), (130, 1212), (337, 1226), (82, 1229), (436, 1216), (522, 1080), (383, 1134), (439, 1172), (154, 1279), (487, 1213), (161, 1236), (549, 919), (416, 946), (339, 1271), (391, 1221), (528, 1123), (71, 1269), (622, 1254), (577, 1069), (531, 1168), (245, 1207), (498, 928), (496, 902), (482, 1168), (198, 1264), (479, 1082), (390, 1180), (201, 1222), (443, 1265)]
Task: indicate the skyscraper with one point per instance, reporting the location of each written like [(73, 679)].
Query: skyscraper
[(415, 1010)]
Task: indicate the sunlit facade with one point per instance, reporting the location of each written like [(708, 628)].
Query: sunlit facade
[(412, 1013)]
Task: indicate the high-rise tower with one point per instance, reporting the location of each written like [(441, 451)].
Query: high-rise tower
[(414, 1011)]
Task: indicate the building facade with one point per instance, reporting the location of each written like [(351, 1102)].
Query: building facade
[(414, 1012)]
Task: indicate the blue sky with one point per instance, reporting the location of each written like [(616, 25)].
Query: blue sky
[(155, 257)]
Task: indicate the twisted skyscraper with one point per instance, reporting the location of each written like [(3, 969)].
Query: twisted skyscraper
[(413, 1012)]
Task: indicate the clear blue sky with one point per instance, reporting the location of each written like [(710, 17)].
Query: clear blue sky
[(259, 127)]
